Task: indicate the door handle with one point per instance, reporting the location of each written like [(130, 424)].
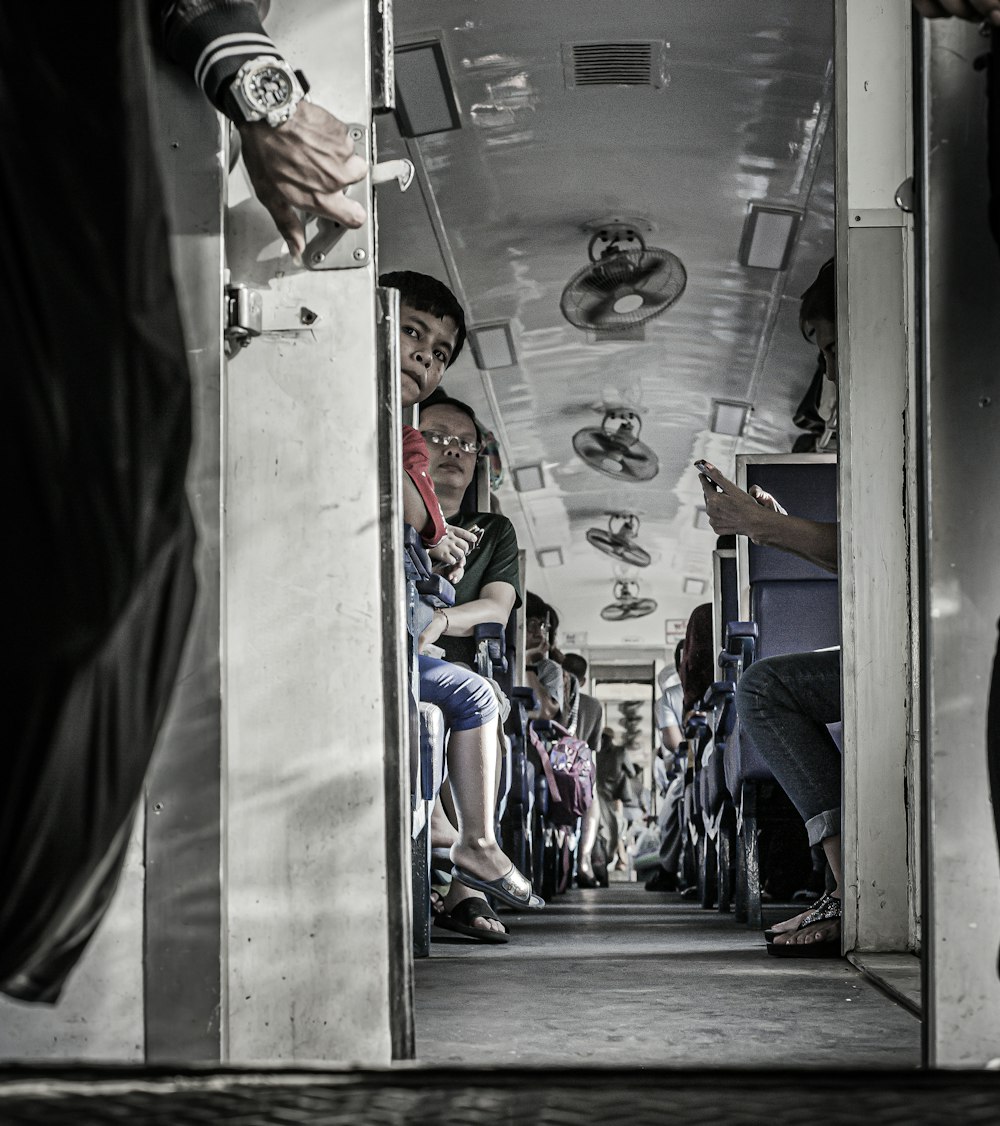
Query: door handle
[(332, 246)]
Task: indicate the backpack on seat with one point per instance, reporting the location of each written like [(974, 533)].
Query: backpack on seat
[(569, 770)]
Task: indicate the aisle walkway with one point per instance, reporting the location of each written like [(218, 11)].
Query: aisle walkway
[(623, 976)]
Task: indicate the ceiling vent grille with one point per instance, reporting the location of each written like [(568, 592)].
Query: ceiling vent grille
[(625, 63)]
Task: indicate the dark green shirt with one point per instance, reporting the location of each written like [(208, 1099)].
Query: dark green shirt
[(494, 561)]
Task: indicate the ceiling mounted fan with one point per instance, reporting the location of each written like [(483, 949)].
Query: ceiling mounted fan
[(619, 539), (627, 603), (614, 447), (626, 283)]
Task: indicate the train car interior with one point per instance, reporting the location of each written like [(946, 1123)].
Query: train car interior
[(631, 717)]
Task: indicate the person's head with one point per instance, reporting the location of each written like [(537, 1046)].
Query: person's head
[(818, 316), (697, 669), (577, 665), (537, 619), (454, 441), (431, 331)]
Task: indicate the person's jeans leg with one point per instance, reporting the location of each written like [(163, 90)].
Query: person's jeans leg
[(784, 704), (671, 828)]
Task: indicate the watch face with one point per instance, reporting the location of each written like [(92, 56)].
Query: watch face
[(267, 88)]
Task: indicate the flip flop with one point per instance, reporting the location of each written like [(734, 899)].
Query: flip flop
[(513, 889), (820, 911), (462, 918)]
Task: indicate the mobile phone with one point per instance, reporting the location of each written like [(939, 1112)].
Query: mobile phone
[(702, 468)]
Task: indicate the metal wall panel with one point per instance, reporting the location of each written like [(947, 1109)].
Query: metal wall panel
[(874, 264), (961, 338), (306, 883)]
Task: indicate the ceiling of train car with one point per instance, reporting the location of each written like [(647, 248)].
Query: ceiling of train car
[(501, 210)]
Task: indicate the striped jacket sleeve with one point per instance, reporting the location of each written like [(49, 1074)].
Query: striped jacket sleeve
[(212, 39)]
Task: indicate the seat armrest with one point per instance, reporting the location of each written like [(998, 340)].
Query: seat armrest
[(437, 591), (741, 641), (525, 694), (491, 660)]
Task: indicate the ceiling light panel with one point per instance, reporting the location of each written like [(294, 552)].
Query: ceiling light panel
[(528, 478), (425, 100), (768, 236), (729, 417), (493, 346)]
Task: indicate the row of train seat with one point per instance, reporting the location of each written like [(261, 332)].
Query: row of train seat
[(766, 603)]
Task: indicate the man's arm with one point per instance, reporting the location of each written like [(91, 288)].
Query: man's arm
[(494, 604), (304, 163), (734, 512), (671, 737)]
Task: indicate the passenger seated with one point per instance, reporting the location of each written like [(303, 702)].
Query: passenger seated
[(669, 715), (785, 703), (590, 717), (488, 591), (432, 330)]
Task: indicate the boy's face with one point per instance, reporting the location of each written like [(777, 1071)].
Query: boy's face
[(426, 344)]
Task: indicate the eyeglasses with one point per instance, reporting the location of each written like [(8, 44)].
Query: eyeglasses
[(446, 440)]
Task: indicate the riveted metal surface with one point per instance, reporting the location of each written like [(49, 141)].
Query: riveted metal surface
[(524, 1097)]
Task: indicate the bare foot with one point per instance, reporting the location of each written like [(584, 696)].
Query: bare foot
[(486, 861), (460, 892), (827, 931), (821, 923), (794, 923)]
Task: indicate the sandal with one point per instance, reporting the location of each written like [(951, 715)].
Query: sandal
[(820, 905), (513, 889), (827, 910), (461, 920)]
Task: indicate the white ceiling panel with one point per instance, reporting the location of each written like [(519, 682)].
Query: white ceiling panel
[(743, 115)]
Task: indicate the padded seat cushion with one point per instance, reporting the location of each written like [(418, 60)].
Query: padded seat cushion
[(795, 617), (431, 751)]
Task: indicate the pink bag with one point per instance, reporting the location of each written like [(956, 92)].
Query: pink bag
[(569, 771)]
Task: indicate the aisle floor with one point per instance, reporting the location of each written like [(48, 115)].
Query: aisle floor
[(624, 976)]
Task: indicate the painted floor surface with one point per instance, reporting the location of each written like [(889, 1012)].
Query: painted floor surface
[(624, 976)]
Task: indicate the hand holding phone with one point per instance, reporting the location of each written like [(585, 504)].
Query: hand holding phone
[(705, 470)]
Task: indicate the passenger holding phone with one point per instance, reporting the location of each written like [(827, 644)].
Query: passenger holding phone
[(785, 703), (431, 334), (490, 587)]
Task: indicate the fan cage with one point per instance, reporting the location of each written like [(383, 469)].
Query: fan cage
[(588, 300)]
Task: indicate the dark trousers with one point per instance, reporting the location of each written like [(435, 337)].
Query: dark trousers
[(97, 404)]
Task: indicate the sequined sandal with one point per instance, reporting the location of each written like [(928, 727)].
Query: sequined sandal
[(827, 910)]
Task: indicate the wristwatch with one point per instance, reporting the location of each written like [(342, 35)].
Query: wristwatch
[(267, 89)]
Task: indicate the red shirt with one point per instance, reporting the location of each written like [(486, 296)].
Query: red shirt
[(415, 465)]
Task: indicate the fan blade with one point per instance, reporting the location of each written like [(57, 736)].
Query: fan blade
[(644, 271), (603, 309), (639, 607), (615, 612), (634, 554)]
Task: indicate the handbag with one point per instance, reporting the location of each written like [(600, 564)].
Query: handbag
[(569, 770)]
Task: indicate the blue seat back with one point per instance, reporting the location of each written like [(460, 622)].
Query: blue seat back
[(794, 602)]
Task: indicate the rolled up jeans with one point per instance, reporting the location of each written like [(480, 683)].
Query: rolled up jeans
[(784, 704)]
